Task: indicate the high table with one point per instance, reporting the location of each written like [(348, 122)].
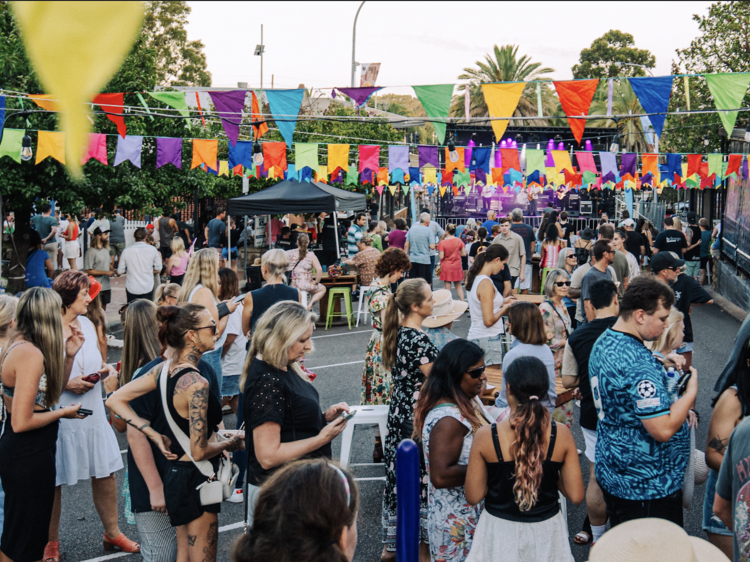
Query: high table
[(494, 378), (335, 282)]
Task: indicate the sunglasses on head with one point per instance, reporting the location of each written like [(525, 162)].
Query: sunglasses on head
[(562, 283), (476, 373)]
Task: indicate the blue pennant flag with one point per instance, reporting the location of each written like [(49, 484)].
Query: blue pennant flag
[(653, 93), (284, 105), (481, 158), (241, 153)]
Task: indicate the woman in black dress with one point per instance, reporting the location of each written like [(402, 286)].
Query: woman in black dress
[(33, 374), (408, 352)]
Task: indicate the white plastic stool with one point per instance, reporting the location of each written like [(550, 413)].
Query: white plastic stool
[(304, 297), (365, 415), (362, 291)]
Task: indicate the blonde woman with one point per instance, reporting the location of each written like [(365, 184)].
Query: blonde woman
[(670, 340), (33, 374), (201, 286), (166, 295), (177, 263), (8, 306), (273, 385), (305, 270)]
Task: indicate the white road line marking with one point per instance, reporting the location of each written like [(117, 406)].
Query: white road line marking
[(230, 527), (336, 365), (369, 479), (344, 334)]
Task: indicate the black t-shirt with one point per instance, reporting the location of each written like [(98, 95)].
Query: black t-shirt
[(500, 279), (567, 231), (581, 342), (695, 253), (182, 226), (688, 291), (328, 235), (149, 407), (671, 241), (527, 233), (475, 248), (284, 243), (280, 397), (633, 243)]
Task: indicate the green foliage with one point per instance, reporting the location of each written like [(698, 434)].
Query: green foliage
[(624, 101), (598, 61)]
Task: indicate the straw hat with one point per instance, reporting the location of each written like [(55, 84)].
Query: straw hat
[(653, 540), (445, 310)]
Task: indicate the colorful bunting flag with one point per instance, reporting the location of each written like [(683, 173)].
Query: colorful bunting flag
[(113, 103), (45, 101), (535, 161), (585, 162), (391, 188), (693, 164), (397, 176), (359, 95), (502, 100), (510, 159), (11, 143), (714, 164), (650, 164), (398, 158), (129, 148), (351, 176), (274, 155), (429, 176), (733, 167), (608, 161), (284, 105), (257, 117), (382, 176), (97, 149), (653, 94), (223, 168), (481, 158), (241, 154), (338, 156), (414, 176), (169, 151), (562, 161), (436, 101), (458, 165), (229, 106), (322, 174), (369, 157), (575, 98), (428, 155), (175, 100), (205, 152), (628, 163), (728, 90), (674, 165), (306, 154)]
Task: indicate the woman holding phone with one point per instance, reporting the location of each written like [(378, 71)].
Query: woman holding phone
[(33, 373)]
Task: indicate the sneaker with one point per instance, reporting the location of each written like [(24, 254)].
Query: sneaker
[(236, 497)]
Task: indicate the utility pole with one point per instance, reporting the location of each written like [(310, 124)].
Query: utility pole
[(354, 43), (259, 50)]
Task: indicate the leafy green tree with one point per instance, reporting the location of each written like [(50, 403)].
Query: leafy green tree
[(602, 58), (505, 65)]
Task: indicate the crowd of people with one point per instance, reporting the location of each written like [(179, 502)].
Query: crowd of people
[(612, 332)]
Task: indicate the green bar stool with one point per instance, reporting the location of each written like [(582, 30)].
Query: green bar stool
[(332, 295)]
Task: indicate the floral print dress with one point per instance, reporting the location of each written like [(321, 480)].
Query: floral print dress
[(414, 349), (376, 379), (557, 326), (451, 519)]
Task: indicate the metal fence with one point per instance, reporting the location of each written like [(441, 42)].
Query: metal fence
[(578, 223)]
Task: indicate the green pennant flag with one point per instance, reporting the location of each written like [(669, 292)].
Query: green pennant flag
[(728, 90), (436, 101), (405, 188), (306, 154), (463, 179), (535, 161), (714, 164), (11, 144), (173, 99), (352, 177), (588, 175)]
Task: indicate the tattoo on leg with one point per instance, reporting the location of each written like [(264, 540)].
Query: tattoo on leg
[(212, 542), (718, 444), (191, 539)]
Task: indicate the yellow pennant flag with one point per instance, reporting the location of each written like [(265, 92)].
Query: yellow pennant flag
[(562, 161), (50, 144), (392, 189), (429, 175), (76, 48), (223, 168), (502, 100), (338, 156), (442, 189), (323, 173)]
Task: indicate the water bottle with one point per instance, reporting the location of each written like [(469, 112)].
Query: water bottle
[(672, 378)]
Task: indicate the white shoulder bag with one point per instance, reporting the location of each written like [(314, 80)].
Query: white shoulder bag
[(220, 484)]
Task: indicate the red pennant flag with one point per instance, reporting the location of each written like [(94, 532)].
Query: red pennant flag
[(703, 170), (575, 98), (447, 177), (113, 103), (200, 109), (510, 159), (274, 155), (572, 177), (237, 170), (709, 181), (733, 166), (256, 116), (694, 163)]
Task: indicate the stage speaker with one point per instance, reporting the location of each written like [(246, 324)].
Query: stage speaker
[(586, 207)]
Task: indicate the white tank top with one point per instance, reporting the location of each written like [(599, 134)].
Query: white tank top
[(478, 329)]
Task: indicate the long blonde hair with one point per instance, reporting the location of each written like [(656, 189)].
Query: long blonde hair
[(408, 293), (276, 331), (177, 246), (203, 269), (8, 306), (665, 344), (38, 320), (140, 339)]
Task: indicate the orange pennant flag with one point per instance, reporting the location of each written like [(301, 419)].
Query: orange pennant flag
[(50, 143), (450, 166), (205, 151), (45, 102), (575, 98), (257, 116), (649, 163)]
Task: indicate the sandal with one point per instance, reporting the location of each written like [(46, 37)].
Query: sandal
[(121, 543), (582, 537), (51, 552)]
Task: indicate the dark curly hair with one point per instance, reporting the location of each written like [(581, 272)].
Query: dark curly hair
[(391, 261)]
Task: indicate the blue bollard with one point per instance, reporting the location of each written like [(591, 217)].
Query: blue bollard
[(407, 501)]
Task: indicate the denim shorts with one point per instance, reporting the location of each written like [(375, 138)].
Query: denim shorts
[(493, 349), (711, 523), (230, 386), (692, 268)]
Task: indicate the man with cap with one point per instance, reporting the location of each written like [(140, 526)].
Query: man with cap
[(693, 251), (666, 267), (444, 312), (97, 263), (634, 242)]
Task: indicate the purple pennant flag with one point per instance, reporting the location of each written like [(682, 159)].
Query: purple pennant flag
[(480, 176), (366, 175), (428, 155), (230, 106), (627, 164), (359, 95), (129, 148), (745, 169), (398, 158), (168, 151), (608, 161)]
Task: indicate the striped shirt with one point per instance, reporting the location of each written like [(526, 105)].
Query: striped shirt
[(353, 235)]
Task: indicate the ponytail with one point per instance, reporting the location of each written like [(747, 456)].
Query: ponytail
[(303, 241), (492, 252), (408, 293), (529, 383)]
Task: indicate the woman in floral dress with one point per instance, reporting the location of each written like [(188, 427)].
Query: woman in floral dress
[(407, 351), (558, 326), (447, 416)]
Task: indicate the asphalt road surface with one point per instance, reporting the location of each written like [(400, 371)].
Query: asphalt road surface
[(338, 359)]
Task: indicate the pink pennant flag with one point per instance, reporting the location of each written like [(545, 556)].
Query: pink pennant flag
[(380, 189), (369, 157), (97, 149)]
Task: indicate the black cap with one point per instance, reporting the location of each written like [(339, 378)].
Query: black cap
[(587, 234), (665, 260), (692, 217), (98, 231)]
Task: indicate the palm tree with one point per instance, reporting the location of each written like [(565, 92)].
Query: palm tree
[(504, 65), (624, 102)]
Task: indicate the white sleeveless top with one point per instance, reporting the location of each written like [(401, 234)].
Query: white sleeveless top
[(478, 329)]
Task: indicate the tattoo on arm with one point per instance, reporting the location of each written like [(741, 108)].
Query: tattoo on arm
[(718, 444), (198, 412)]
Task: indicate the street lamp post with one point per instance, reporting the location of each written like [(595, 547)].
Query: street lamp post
[(354, 42), (259, 50)]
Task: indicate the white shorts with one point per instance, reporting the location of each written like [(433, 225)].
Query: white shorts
[(72, 249), (589, 437), (526, 285)]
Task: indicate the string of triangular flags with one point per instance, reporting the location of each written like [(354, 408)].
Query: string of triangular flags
[(727, 89)]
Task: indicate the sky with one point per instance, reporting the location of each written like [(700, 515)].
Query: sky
[(420, 43)]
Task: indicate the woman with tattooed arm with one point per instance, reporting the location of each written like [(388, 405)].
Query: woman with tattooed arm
[(186, 333)]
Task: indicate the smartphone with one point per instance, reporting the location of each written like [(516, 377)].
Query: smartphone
[(93, 378), (85, 412), (240, 298), (350, 415), (682, 383)]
